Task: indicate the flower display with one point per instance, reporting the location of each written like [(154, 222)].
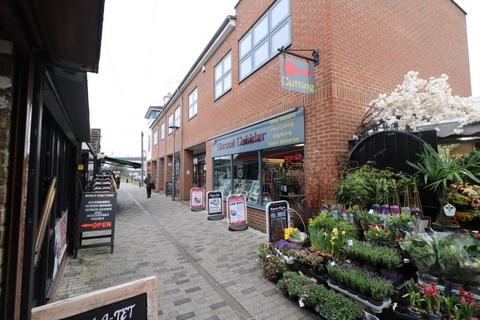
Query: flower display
[(287, 232), (417, 101)]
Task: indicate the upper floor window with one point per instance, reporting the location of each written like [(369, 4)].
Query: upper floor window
[(162, 131), (223, 75), (192, 104), (155, 137), (170, 123), (270, 33), (177, 117)]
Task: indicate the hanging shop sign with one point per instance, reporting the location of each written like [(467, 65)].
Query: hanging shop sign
[(296, 75), (196, 199), (277, 219), (214, 205), (283, 130), (237, 212), (136, 300), (97, 213)]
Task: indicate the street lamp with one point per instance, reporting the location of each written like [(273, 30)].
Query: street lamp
[(174, 128)]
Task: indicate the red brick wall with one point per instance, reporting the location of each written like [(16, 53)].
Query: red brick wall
[(365, 49)]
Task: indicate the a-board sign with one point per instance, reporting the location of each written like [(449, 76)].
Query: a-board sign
[(277, 219), (168, 188), (237, 212), (197, 202), (97, 211), (214, 205), (136, 300)]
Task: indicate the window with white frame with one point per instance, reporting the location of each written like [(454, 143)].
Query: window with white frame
[(162, 131), (260, 44), (155, 137), (223, 75), (170, 123), (177, 116), (192, 104)]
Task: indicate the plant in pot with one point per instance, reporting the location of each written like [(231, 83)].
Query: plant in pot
[(432, 299), (468, 305), (439, 171), (415, 298)]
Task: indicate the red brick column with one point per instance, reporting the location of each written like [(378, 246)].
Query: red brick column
[(186, 172)]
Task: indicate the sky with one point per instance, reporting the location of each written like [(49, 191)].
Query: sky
[(148, 46)]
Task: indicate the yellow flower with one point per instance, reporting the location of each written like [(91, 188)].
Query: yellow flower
[(288, 231)]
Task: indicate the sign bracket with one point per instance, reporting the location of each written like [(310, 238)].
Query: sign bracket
[(315, 54)]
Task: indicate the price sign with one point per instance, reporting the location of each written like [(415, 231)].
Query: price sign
[(237, 212)]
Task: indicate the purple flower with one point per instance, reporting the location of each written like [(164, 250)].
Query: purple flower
[(284, 244)]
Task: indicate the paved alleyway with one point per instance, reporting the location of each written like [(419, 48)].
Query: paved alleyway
[(204, 271)]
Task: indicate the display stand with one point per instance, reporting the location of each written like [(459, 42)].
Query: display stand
[(214, 205), (237, 219)]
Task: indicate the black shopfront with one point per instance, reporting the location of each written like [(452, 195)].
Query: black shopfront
[(263, 161)]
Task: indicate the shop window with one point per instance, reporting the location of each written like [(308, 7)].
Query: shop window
[(170, 123), (245, 176), (223, 76), (192, 104), (155, 137), (283, 175), (222, 174), (270, 33), (162, 131)]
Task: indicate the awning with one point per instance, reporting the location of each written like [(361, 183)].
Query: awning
[(451, 131), (122, 162), (71, 92)]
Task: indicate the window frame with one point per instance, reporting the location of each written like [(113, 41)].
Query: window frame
[(162, 131), (177, 120), (155, 137), (193, 103), (250, 54), (224, 74)]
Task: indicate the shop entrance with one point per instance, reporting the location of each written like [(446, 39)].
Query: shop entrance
[(199, 171)]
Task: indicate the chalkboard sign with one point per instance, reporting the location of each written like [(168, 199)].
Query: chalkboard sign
[(277, 219), (134, 308), (214, 205), (169, 188), (135, 300), (97, 211)]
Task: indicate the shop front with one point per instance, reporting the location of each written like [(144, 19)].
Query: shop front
[(263, 161)]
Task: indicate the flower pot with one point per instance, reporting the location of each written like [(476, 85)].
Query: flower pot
[(432, 316), (385, 209), (377, 303), (402, 312), (377, 209), (394, 209)]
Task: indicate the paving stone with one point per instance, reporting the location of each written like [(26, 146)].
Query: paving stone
[(218, 305), (186, 316)]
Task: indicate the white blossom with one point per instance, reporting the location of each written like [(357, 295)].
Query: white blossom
[(417, 102)]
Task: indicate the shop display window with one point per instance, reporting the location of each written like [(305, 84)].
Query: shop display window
[(245, 176), (222, 175), (282, 175)]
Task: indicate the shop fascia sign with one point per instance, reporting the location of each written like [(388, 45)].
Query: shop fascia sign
[(286, 129), (297, 75)]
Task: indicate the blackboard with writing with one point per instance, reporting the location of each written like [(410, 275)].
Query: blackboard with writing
[(134, 308), (277, 220), (169, 188), (97, 211)]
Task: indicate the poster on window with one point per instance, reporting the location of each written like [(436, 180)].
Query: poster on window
[(60, 242), (196, 199), (237, 212)]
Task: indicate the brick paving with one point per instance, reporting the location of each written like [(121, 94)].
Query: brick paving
[(204, 270)]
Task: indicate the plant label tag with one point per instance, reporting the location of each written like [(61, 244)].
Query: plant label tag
[(350, 242), (449, 210), (300, 303), (370, 211), (332, 263)]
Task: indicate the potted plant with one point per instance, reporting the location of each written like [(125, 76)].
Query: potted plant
[(432, 299)]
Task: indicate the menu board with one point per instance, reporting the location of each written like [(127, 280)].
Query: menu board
[(277, 219)]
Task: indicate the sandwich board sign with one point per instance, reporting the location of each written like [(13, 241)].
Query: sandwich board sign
[(277, 219), (214, 205), (136, 300), (196, 199), (237, 212)]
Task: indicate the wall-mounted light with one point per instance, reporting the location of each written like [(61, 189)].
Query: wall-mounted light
[(469, 138)]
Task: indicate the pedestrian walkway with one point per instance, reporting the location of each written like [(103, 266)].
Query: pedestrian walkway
[(204, 270)]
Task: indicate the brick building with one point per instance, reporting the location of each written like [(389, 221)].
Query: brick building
[(232, 92)]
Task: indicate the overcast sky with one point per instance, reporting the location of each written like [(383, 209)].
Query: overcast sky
[(149, 45)]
